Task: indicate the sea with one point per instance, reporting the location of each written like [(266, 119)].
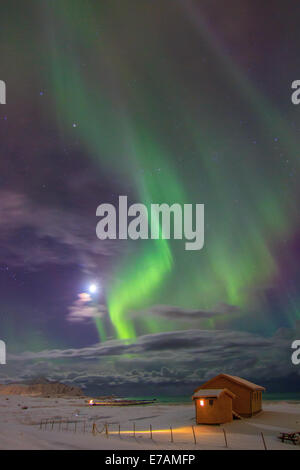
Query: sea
[(177, 400)]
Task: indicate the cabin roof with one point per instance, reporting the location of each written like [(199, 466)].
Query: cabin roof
[(212, 393), (236, 379), (245, 382)]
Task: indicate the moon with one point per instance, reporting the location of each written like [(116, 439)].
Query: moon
[(93, 288)]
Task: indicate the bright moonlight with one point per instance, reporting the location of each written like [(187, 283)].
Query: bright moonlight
[(93, 288)]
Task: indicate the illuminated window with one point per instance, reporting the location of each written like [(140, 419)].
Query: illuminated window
[(201, 402)]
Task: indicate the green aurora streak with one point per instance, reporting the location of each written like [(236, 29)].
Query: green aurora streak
[(129, 141)]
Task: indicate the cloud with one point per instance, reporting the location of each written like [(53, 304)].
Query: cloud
[(35, 234), (199, 342), (177, 313), (207, 351), (84, 310), (171, 363)]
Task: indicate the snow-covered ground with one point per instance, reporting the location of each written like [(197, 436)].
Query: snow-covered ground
[(67, 423)]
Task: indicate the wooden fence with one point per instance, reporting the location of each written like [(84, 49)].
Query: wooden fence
[(88, 427)]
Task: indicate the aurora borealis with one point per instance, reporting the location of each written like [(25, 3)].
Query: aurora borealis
[(165, 102)]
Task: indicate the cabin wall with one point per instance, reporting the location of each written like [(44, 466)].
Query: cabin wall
[(256, 401), (242, 404), (218, 413)]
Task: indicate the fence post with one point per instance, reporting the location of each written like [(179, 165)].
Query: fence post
[(225, 437), (264, 441), (106, 430), (52, 425), (94, 429), (151, 431), (41, 425), (133, 429), (172, 440), (46, 422), (194, 435), (119, 431)]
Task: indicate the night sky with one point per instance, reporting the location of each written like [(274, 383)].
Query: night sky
[(162, 101)]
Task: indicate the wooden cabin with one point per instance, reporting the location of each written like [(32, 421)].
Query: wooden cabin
[(248, 396), (213, 406)]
